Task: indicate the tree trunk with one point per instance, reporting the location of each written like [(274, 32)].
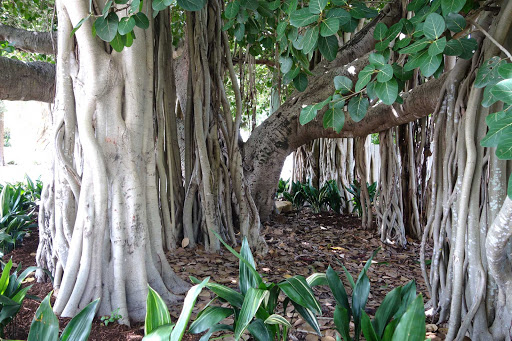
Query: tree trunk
[(2, 133)]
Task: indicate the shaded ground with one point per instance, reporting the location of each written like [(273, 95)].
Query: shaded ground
[(302, 244)]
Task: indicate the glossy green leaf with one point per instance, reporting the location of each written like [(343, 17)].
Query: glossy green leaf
[(286, 63), (141, 20), (434, 26), (45, 325), (339, 13), (334, 118), (307, 114), (186, 311), (387, 310), (239, 31), (402, 43), (387, 91), (79, 327), (157, 313), (380, 31), (308, 316), (452, 6), (298, 290), (316, 279), (259, 330), (278, 319), (357, 108), (317, 6), (393, 31), (343, 84), (301, 81), (118, 42), (415, 61), (328, 47), (231, 296), (105, 10), (191, 5), (232, 9), (455, 22), (488, 73), (488, 97), (342, 322), (291, 6), (385, 73), (437, 46), (408, 294), (430, 64), (370, 91), (412, 324), (246, 277), (500, 124), (310, 39), (359, 299), (209, 317), (502, 91), (77, 26), (126, 25), (329, 27), (417, 46), (504, 149), (159, 334), (337, 289), (4, 280), (360, 11), (505, 70), (364, 77), (106, 28), (302, 17), (252, 302), (367, 327), (158, 5), (322, 104), (376, 59)]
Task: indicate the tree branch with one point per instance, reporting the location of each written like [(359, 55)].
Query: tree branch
[(21, 81), (29, 41)]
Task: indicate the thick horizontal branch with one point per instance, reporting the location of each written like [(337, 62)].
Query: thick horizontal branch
[(267, 62), (21, 81), (29, 41)]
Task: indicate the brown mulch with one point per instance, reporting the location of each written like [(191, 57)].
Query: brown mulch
[(299, 244)]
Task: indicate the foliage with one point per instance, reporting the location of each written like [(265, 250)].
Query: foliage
[(328, 194), (45, 325), (158, 325), (255, 305), (7, 138), (11, 293), (496, 76), (355, 190), (401, 315), (282, 187), (113, 317), (17, 205), (295, 195)]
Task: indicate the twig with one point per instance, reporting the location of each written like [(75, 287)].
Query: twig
[(481, 29)]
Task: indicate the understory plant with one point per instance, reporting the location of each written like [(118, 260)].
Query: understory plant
[(355, 190), (12, 294), (254, 307), (400, 316), (319, 199), (295, 195), (282, 187)]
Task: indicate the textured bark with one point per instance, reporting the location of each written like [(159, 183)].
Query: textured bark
[(21, 81), (29, 41)]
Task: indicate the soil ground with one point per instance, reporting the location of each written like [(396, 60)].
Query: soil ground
[(299, 244)]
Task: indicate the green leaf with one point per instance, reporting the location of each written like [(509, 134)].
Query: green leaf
[(415, 5), (461, 47), (502, 91), (430, 64), (317, 6), (231, 296), (45, 325), (329, 27), (509, 189), (77, 26), (386, 310), (308, 316), (339, 13), (186, 311), (337, 288), (380, 31), (252, 302), (160, 333), (298, 290), (157, 313), (316, 279), (488, 73), (79, 327), (209, 317), (342, 322), (310, 39), (455, 22), (141, 20), (106, 28), (417, 46), (393, 31), (286, 63), (232, 9), (452, 6), (370, 91), (368, 331), (385, 73), (504, 149), (4, 280), (191, 5), (158, 5), (360, 11), (334, 118), (408, 294), (357, 108), (278, 319), (259, 330), (344, 84), (108, 4), (434, 26), (364, 77), (118, 42), (500, 124), (247, 278), (376, 59), (307, 114), (387, 91), (505, 70), (292, 6), (412, 324), (488, 97), (126, 25), (322, 104), (301, 81), (239, 31), (328, 47), (437, 46), (302, 17)]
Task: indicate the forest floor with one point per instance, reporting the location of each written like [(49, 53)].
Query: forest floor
[(299, 244)]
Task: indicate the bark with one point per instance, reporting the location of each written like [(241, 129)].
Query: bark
[(21, 81), (2, 155), (29, 41)]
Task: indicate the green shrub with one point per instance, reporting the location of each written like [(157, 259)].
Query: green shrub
[(282, 187), (295, 195), (355, 190)]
